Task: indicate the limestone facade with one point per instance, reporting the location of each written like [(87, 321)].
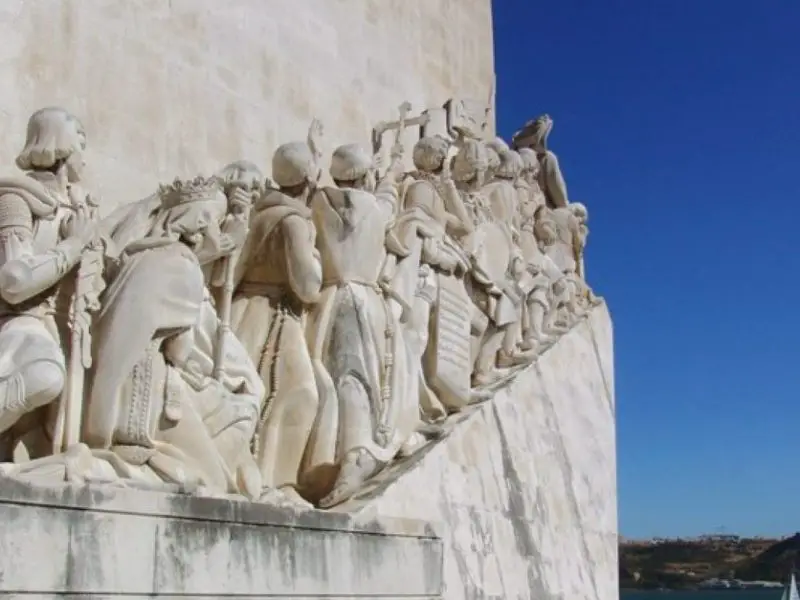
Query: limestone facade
[(168, 87), (524, 489), (320, 326)]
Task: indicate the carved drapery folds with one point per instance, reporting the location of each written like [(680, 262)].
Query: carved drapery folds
[(275, 338)]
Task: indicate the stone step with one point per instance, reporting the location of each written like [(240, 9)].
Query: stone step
[(101, 542)]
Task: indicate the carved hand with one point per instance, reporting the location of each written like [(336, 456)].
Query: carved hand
[(315, 133), (80, 223), (396, 165), (446, 176), (178, 348), (241, 200), (234, 231), (397, 151)]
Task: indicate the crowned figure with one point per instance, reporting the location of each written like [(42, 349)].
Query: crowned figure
[(155, 412)]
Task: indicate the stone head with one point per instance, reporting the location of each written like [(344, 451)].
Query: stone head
[(494, 148), (55, 140), (295, 169), (240, 173), (353, 167), (510, 165), (580, 211), (471, 162), (193, 210), (545, 229), (430, 152)]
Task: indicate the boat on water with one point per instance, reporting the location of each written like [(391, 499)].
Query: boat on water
[(790, 591)]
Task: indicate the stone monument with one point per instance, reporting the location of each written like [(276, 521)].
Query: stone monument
[(365, 362)]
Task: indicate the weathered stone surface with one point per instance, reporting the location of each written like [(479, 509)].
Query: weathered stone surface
[(525, 488), (108, 543), (168, 87)]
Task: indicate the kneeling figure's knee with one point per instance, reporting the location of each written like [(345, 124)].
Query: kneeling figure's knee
[(44, 382)]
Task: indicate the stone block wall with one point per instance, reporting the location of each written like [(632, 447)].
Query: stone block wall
[(178, 87), (104, 543), (524, 489)]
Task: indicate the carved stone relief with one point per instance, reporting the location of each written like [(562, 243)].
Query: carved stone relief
[(272, 337)]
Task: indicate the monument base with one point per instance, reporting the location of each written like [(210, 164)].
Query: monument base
[(101, 542)]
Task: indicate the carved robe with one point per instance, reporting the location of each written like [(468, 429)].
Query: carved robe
[(279, 277), (551, 181), (567, 253), (530, 200), (503, 203), (158, 416), (366, 373)]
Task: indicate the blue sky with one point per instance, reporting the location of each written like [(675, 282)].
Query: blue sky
[(678, 124)]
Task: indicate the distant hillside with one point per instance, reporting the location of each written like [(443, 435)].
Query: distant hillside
[(772, 564), (679, 564)]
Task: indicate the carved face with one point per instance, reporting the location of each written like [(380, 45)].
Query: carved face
[(198, 223), (76, 163)]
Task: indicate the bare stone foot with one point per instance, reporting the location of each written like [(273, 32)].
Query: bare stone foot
[(358, 466), (488, 378)]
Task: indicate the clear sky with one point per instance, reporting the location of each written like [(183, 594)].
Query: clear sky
[(677, 122)]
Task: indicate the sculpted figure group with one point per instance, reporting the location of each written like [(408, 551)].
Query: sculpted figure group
[(277, 339)]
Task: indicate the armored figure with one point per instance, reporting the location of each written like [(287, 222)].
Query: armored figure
[(45, 225)]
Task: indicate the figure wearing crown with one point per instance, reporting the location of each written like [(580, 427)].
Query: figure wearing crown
[(154, 412)]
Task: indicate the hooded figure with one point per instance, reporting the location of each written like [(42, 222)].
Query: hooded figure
[(154, 411)]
